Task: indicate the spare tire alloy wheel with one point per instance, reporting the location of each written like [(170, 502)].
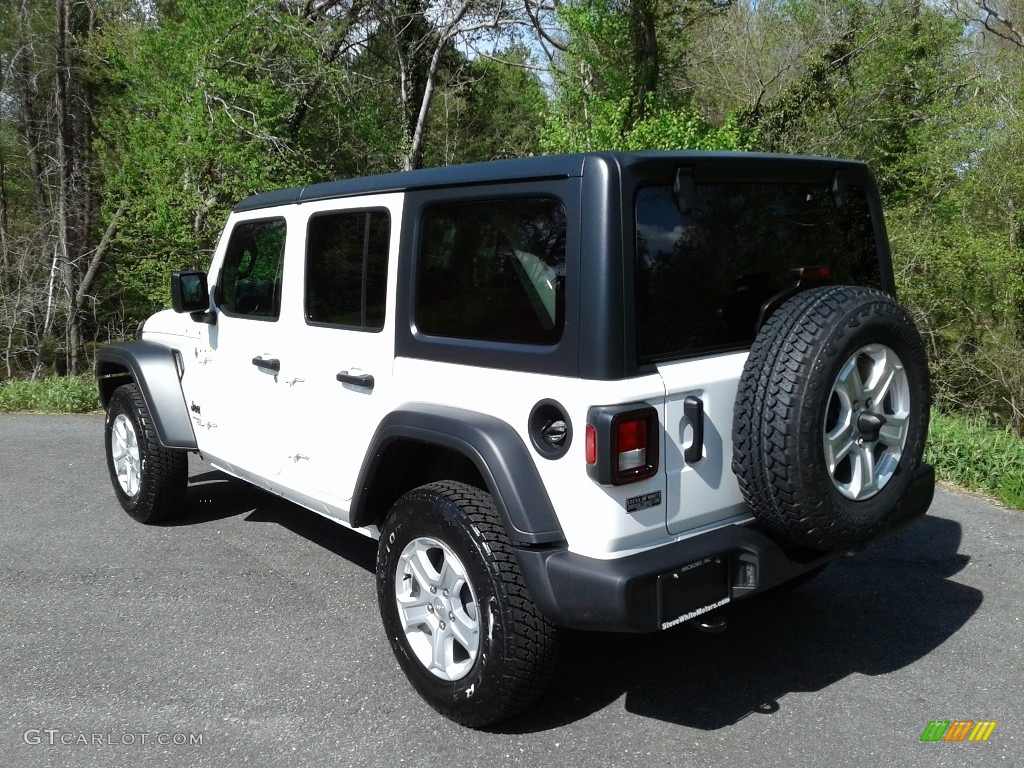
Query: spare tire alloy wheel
[(867, 422), (831, 416), (455, 608)]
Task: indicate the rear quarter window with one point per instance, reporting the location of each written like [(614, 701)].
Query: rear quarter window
[(492, 270)]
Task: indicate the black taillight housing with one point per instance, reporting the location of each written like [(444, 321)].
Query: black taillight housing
[(622, 443)]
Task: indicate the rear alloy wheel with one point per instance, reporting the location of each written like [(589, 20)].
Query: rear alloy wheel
[(438, 608), (149, 479), (831, 416), (455, 609)]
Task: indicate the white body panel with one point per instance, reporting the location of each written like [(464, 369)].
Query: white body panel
[(303, 435), (705, 491), (330, 423), (593, 517)]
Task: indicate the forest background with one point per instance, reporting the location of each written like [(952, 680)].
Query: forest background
[(128, 128)]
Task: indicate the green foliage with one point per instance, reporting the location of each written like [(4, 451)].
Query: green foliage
[(662, 128), (683, 128), (873, 82), (54, 394), (196, 116), (610, 97), (488, 109), (974, 454), (960, 257)]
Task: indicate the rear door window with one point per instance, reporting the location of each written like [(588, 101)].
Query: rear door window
[(347, 268)]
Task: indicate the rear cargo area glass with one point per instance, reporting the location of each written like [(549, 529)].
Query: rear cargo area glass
[(706, 274)]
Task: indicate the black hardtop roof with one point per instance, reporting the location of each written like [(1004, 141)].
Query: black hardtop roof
[(550, 166)]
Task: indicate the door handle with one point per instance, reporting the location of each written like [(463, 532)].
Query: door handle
[(270, 363), (693, 411), (358, 379)]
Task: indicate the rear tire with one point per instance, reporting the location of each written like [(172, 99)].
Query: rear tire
[(455, 608), (149, 479)]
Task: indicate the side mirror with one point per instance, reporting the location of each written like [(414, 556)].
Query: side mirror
[(190, 293)]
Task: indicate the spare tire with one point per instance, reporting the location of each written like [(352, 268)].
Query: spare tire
[(831, 416)]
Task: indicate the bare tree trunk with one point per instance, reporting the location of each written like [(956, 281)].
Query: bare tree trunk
[(97, 256), (999, 25), (5, 231), (30, 127), (65, 170), (48, 318), (646, 61), (414, 158)]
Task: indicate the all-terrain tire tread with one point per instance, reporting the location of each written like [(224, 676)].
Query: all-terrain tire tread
[(164, 470)]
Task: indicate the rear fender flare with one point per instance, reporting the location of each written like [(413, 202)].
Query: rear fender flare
[(494, 448)]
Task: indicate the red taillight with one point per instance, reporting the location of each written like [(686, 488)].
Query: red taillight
[(816, 275), (622, 443), (591, 445), (631, 444)]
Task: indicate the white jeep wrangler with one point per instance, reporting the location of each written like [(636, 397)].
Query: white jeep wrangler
[(602, 391)]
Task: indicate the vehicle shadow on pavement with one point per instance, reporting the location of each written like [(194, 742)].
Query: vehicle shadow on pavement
[(872, 614), (869, 615), (213, 495)]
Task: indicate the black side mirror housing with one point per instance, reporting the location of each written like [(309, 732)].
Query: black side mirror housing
[(190, 293)]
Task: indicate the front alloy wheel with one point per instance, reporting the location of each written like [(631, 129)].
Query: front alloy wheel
[(149, 480), (124, 451)]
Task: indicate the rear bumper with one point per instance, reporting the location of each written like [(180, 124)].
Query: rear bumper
[(662, 587)]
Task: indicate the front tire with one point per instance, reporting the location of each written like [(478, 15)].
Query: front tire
[(455, 608), (149, 479)]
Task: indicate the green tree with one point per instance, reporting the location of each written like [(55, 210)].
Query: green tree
[(490, 108), (201, 109), (618, 77)]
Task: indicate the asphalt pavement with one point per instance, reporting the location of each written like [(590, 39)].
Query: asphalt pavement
[(247, 633)]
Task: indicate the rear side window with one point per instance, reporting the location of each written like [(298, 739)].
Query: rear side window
[(705, 275), (250, 283), (347, 268), (493, 271)]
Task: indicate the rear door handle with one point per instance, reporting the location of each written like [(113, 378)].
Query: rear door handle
[(270, 363), (358, 379), (693, 411)]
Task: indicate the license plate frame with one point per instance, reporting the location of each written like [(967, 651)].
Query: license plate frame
[(692, 590)]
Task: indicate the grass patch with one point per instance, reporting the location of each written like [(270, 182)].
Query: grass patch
[(54, 394), (973, 454)]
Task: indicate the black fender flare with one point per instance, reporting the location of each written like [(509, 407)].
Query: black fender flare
[(494, 448), (153, 369)]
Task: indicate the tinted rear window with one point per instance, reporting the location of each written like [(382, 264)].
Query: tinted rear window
[(704, 275)]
